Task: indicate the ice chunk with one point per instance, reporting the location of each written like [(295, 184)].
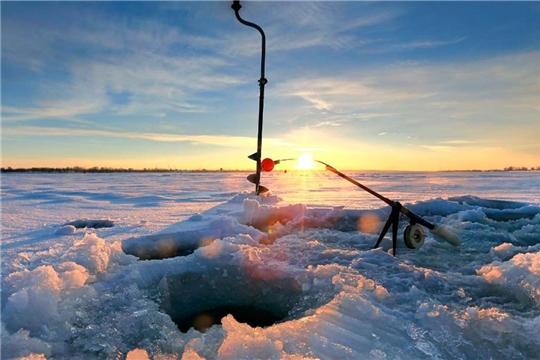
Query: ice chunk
[(73, 275), (34, 303), (519, 276), (137, 354), (91, 252), (21, 345), (162, 246), (487, 203), (66, 230)]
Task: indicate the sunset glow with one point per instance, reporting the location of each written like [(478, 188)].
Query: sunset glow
[(173, 84), (305, 162)]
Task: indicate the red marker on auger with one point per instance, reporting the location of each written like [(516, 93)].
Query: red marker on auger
[(267, 165)]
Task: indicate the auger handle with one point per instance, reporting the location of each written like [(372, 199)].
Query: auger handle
[(262, 82)]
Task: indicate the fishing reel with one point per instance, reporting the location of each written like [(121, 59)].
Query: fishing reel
[(414, 236)]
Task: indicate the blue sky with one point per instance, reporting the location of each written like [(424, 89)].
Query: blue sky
[(361, 85)]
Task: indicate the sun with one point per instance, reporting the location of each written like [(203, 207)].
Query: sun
[(305, 162)]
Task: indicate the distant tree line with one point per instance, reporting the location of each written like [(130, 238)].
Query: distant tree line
[(510, 168), (524, 168), (95, 169)]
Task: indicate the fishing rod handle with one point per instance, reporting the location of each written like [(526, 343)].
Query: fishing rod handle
[(236, 5), (437, 230)]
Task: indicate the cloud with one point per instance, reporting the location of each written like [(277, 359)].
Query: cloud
[(329, 123), (458, 142), (352, 91), (301, 25), (490, 101), (78, 58), (61, 109), (439, 148), (337, 118), (97, 52), (165, 68), (381, 17), (417, 44), (215, 140), (310, 149), (341, 16), (505, 81)]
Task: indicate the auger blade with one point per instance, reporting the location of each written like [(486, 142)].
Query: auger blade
[(252, 178)]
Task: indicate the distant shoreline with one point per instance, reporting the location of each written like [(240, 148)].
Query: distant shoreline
[(82, 170), (511, 168)]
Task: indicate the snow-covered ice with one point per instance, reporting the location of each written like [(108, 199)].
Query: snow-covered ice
[(293, 275)]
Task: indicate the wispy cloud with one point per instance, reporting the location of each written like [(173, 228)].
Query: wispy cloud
[(310, 149), (140, 56), (137, 56), (439, 148), (349, 92), (459, 142), (303, 25), (454, 104), (215, 140), (63, 110), (420, 44), (380, 17), (338, 68), (338, 118)]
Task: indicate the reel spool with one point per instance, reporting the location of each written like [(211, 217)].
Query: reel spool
[(414, 236)]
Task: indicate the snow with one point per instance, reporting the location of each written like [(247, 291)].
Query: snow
[(294, 274)]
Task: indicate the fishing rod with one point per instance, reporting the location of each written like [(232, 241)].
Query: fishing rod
[(262, 82), (413, 236)]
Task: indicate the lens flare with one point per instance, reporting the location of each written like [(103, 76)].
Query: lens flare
[(369, 223), (305, 162)]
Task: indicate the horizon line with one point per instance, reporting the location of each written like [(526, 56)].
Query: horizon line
[(103, 169)]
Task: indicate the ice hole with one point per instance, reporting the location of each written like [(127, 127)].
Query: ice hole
[(200, 300), (160, 251), (163, 246), (247, 314), (91, 224)]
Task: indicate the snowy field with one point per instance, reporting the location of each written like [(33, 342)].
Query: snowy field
[(295, 269)]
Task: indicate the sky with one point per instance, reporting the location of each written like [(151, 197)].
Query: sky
[(359, 85)]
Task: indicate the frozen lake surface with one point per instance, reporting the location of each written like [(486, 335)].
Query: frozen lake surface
[(299, 263)]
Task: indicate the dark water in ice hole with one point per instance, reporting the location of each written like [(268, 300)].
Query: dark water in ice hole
[(251, 315)]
